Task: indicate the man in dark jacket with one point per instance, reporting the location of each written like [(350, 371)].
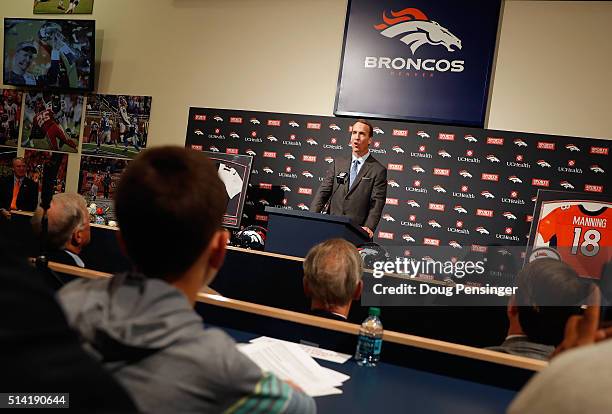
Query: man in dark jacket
[(362, 195), (68, 228), (18, 192), (332, 278)]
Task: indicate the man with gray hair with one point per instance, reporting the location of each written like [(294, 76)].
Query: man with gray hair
[(332, 278), (68, 228)]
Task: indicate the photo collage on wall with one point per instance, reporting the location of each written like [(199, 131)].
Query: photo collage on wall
[(49, 131), (115, 130)]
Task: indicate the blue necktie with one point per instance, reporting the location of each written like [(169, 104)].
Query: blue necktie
[(354, 171)]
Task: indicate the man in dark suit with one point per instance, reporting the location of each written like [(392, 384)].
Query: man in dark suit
[(68, 228), (18, 192), (332, 278), (362, 195)]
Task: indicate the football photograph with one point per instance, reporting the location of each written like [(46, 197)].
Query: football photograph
[(116, 125), (39, 163), (49, 53), (98, 181), (52, 122), (10, 115), (63, 6)]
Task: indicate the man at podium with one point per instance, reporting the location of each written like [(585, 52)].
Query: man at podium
[(355, 188)]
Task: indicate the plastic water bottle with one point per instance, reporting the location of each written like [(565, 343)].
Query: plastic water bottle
[(369, 342)]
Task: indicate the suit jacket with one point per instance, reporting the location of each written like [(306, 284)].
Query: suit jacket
[(363, 202), (327, 314), (28, 194)]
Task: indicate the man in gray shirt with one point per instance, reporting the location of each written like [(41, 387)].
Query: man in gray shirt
[(142, 325)]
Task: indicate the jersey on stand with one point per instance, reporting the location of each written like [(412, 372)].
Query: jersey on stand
[(583, 238)]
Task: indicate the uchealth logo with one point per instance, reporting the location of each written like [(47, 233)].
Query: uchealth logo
[(412, 27)]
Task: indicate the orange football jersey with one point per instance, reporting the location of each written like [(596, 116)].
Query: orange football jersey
[(584, 238)]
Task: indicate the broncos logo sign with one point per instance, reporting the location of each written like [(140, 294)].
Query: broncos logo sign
[(417, 30)]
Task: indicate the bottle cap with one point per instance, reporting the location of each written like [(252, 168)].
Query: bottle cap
[(374, 312)]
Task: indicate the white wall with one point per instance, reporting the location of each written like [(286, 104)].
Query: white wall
[(552, 70)]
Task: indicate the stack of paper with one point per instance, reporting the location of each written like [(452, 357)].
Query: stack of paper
[(313, 351), (289, 361)]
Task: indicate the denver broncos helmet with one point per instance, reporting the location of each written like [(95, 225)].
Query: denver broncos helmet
[(372, 252), (251, 237)]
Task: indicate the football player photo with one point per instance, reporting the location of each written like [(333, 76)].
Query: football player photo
[(10, 116), (63, 6), (98, 182), (39, 163), (52, 122), (116, 125)]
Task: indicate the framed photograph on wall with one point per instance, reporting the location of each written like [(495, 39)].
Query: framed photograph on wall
[(52, 121), (116, 125), (10, 116), (63, 6), (429, 61)]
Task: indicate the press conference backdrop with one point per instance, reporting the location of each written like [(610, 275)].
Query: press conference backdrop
[(419, 60), (447, 186)]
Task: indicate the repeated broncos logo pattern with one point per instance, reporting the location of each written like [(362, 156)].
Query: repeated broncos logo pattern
[(417, 30)]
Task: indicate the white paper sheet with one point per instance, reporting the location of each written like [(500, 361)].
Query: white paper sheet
[(289, 361), (313, 351)]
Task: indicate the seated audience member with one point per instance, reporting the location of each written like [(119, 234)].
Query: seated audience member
[(577, 381), (142, 325), (536, 327), (18, 192), (68, 228), (38, 350), (332, 278)]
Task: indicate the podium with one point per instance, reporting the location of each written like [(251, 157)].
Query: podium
[(293, 233)]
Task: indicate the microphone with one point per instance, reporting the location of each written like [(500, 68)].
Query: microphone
[(341, 179)]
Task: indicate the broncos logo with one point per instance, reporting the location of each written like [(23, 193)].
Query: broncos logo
[(417, 30)]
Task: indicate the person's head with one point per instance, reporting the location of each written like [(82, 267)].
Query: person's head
[(169, 203), (24, 56), (68, 222), (19, 167), (361, 137), (332, 274), (549, 292)]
